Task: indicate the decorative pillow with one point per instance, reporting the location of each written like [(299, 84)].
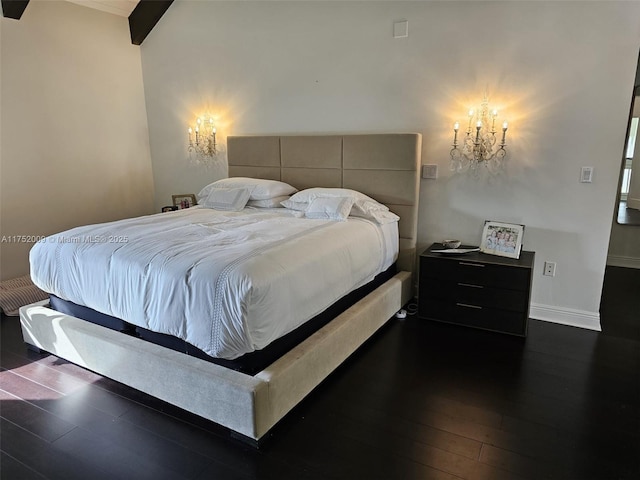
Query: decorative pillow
[(275, 202), (232, 199), (332, 208), (259, 189)]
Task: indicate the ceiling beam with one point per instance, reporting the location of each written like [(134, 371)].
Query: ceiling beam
[(14, 8), (144, 17)]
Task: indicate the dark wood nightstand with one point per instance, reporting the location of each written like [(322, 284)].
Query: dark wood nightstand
[(476, 290)]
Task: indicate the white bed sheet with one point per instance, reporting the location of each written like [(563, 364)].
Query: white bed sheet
[(227, 282)]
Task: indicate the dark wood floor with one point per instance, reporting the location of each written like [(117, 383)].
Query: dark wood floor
[(420, 400), (628, 216)]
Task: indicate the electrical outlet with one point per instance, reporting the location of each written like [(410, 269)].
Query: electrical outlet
[(549, 269)]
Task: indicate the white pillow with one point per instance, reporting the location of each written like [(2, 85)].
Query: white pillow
[(382, 216), (275, 202), (299, 206), (331, 208), (232, 199), (363, 205), (260, 189), (311, 193)]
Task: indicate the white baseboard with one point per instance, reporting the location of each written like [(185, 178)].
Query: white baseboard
[(566, 316), (620, 261)]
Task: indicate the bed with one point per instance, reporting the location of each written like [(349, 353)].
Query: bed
[(383, 166)]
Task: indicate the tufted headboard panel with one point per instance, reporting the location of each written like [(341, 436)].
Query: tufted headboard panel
[(382, 166)]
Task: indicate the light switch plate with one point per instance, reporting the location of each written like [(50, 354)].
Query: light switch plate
[(586, 174), (401, 29), (430, 171)]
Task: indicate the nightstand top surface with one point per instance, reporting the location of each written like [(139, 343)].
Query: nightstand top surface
[(525, 260)]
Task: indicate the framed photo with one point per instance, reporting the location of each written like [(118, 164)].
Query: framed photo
[(503, 239), (184, 200)]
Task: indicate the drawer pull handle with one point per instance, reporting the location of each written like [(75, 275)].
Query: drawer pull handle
[(469, 306), (471, 264), (470, 285)]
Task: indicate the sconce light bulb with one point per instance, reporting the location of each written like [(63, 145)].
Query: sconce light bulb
[(456, 126), (197, 129), (505, 125), (495, 112), (198, 121), (190, 130), (471, 113), (479, 124), (214, 130)]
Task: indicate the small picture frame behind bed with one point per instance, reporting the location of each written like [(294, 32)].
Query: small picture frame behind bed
[(184, 200), (503, 239)]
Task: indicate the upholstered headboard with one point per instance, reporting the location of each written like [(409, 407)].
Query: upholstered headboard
[(383, 166)]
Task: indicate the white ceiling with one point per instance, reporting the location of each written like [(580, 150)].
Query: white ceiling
[(117, 7)]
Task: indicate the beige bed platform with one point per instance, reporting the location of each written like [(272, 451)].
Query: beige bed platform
[(383, 166)]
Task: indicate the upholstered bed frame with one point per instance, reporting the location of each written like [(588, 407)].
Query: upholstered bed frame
[(383, 166)]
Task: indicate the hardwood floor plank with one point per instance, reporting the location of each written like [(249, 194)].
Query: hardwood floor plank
[(11, 335), (98, 399), (24, 388), (78, 409), (48, 377), (617, 317), (396, 446), (488, 472), (44, 458), (10, 468), (229, 458), (33, 419), (390, 425), (18, 357), (68, 368), (114, 458), (332, 454), (220, 471), (522, 465)]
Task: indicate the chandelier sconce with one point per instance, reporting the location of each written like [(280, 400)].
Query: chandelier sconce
[(202, 141), (479, 146)]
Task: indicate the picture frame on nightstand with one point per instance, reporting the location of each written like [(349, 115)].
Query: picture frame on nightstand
[(184, 200), (502, 239)]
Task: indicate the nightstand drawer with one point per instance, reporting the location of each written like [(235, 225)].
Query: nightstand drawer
[(473, 294), (474, 316), (476, 273)]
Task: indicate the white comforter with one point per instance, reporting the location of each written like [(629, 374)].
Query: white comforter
[(227, 282)]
